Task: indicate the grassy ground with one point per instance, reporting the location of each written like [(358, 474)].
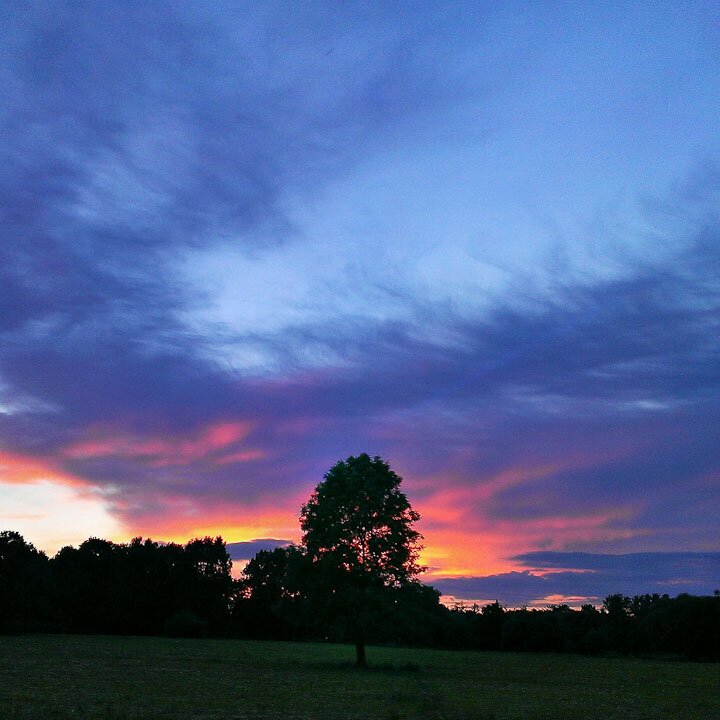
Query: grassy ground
[(115, 678)]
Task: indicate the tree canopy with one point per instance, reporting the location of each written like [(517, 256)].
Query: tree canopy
[(360, 542)]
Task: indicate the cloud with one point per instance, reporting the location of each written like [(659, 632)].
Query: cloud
[(244, 146), (247, 550), (212, 442), (590, 576), (593, 378)]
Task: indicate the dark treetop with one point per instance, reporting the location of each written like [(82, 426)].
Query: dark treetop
[(358, 520)]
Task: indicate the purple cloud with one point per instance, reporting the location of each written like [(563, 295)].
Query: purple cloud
[(209, 131), (591, 576)]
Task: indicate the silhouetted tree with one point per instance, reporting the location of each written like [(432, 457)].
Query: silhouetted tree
[(491, 621), (147, 586), (588, 637), (619, 622), (415, 615), (272, 593), (205, 581), (144, 587), (86, 579), (23, 584), (359, 536), (354, 579)]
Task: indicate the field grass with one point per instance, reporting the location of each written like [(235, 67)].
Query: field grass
[(117, 678)]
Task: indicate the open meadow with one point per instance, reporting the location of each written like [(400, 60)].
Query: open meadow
[(119, 678)]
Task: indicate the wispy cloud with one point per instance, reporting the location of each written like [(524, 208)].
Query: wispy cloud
[(241, 244)]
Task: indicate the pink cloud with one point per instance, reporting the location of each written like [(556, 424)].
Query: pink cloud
[(217, 442), (242, 456)]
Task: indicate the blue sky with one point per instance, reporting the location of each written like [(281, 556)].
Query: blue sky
[(240, 243)]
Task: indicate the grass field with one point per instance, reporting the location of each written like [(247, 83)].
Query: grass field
[(117, 678)]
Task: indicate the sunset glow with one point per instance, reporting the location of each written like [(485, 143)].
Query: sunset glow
[(482, 243)]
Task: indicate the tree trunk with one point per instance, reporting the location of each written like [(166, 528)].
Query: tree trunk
[(360, 660)]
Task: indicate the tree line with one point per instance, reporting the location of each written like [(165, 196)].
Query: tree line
[(140, 588), (353, 578)]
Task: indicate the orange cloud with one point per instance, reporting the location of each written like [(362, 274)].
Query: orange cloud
[(18, 469), (462, 539), (478, 545)]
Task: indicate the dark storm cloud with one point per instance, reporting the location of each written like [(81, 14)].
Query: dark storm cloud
[(592, 576)]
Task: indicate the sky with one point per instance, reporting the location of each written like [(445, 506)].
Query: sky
[(240, 242)]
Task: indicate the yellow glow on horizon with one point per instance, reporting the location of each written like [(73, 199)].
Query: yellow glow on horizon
[(231, 533), (234, 522)]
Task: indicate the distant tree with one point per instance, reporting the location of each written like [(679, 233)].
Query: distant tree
[(588, 636), (146, 585), (416, 615), (264, 577), (619, 624), (86, 581), (361, 544), (23, 584), (272, 592), (207, 581), (491, 622)]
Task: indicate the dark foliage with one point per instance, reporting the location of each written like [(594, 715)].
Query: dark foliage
[(361, 547), (24, 584), (140, 588), (686, 626), (272, 602), (144, 587)]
